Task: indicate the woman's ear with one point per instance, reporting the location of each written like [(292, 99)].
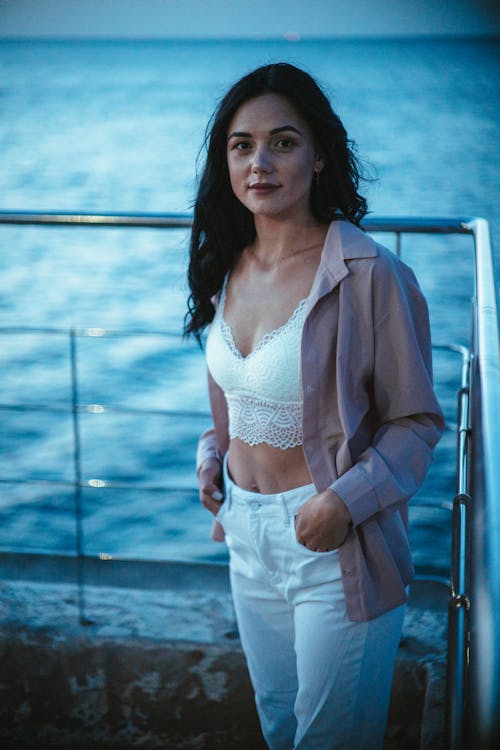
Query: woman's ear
[(319, 163)]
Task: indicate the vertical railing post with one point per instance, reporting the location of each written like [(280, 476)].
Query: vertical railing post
[(458, 624), (77, 483), (398, 244), (459, 602)]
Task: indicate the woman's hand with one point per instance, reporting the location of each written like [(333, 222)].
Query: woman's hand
[(323, 522), (210, 478)]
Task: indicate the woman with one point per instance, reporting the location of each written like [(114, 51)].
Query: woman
[(324, 414)]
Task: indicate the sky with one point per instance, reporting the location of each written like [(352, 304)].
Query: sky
[(293, 19)]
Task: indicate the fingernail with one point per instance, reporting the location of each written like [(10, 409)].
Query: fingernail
[(217, 495)]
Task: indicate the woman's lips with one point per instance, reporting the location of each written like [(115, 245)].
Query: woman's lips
[(263, 187)]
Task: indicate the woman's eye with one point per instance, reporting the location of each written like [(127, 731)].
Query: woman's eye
[(284, 144), (241, 146)]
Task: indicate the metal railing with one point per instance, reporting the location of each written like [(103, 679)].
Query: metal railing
[(474, 607), (481, 724)]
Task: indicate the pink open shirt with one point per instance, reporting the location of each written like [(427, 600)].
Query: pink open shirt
[(370, 416)]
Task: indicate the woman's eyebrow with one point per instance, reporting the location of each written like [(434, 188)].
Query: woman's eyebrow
[(285, 127), (241, 134)]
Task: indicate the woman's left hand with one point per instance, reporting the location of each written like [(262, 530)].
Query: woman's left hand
[(323, 522)]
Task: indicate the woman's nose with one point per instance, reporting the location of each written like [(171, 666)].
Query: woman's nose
[(261, 161)]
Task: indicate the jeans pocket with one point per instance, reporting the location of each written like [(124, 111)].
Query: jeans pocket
[(305, 550), (221, 512), (224, 508)]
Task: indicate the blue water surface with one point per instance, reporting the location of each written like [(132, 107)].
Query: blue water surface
[(117, 126)]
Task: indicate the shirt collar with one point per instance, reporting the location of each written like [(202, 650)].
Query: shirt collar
[(344, 241)]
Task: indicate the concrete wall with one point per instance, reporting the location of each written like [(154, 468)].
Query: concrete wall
[(164, 669)]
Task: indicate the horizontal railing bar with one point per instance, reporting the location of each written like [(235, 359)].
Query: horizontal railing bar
[(96, 483), (439, 225), (97, 409), (430, 225), (428, 502), (100, 484), (101, 219), (424, 576), (117, 333), (87, 332), (101, 409), (464, 351)]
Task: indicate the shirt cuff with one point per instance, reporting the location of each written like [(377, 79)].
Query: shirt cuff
[(357, 494), (204, 452)]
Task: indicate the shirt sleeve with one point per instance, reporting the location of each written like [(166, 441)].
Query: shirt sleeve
[(409, 421), (207, 448), (213, 443)]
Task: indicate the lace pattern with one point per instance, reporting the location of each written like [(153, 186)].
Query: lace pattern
[(257, 420), (263, 389), (297, 317)]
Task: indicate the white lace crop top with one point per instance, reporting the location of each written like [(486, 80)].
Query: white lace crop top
[(264, 389)]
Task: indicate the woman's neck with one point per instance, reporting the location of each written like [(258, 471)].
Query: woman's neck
[(277, 241)]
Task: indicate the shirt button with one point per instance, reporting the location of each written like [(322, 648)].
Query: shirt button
[(310, 389), (347, 571)]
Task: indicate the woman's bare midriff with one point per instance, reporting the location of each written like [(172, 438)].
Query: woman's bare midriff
[(265, 469)]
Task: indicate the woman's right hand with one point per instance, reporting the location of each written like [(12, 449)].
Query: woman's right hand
[(210, 478)]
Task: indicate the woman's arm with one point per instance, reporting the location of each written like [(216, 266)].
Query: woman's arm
[(214, 442), (392, 469), (405, 407), (209, 457)]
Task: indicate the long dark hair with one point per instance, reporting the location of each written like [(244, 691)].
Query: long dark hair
[(222, 226)]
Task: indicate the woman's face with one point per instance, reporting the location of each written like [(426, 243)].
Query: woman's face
[(272, 158)]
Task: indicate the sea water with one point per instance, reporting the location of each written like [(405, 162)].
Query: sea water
[(117, 126)]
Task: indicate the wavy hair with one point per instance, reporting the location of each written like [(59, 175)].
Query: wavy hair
[(222, 225)]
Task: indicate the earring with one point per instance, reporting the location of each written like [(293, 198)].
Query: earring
[(316, 177)]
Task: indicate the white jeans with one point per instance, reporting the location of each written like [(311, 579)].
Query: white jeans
[(321, 681)]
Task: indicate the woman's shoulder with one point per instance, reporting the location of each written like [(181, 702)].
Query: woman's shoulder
[(347, 242), (374, 269), (390, 265)]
